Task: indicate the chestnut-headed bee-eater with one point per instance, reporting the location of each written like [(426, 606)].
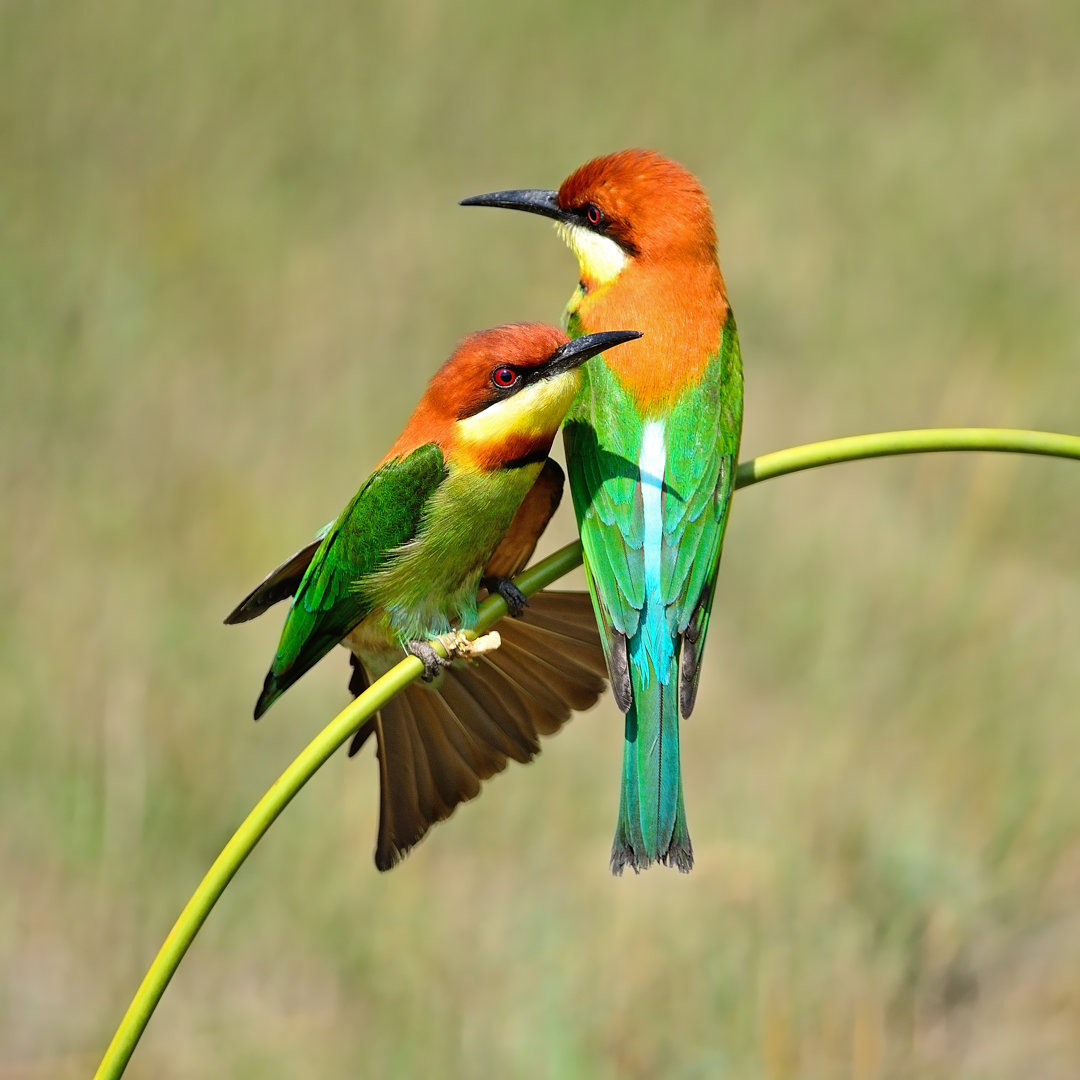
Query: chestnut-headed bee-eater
[(455, 507), (652, 444)]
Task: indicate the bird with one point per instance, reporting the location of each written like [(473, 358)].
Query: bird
[(652, 444), (450, 514)]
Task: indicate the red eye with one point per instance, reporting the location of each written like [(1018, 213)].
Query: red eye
[(504, 377), (592, 212)]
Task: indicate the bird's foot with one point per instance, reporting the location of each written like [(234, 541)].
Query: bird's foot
[(457, 644), (516, 600), (433, 662)]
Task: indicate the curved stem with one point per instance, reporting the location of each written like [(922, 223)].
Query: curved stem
[(917, 441), (267, 809), (532, 580)]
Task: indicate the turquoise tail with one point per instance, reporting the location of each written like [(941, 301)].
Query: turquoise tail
[(652, 820)]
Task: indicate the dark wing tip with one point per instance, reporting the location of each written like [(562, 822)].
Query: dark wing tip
[(688, 675), (389, 858), (246, 610), (255, 603), (620, 672), (271, 691), (278, 585)]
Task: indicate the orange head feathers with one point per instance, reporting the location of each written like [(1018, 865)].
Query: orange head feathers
[(501, 397), (473, 377), (642, 230), (649, 205)]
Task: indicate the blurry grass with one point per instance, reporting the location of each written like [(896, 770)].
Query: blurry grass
[(230, 257)]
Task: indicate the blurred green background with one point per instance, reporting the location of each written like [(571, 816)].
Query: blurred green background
[(230, 257)]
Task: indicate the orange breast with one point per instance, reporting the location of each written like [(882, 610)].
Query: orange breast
[(680, 310)]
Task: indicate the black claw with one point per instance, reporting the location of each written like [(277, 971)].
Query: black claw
[(516, 600), (433, 662)]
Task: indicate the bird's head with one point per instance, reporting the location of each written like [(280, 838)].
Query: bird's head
[(503, 394), (633, 205)]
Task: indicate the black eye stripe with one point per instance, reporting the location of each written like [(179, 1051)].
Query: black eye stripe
[(595, 220)]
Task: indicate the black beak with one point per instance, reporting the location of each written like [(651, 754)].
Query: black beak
[(574, 353), (544, 203)]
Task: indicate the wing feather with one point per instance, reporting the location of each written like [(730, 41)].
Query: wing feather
[(435, 745), (383, 515), (701, 439)]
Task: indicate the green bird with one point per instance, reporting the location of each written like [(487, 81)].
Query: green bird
[(652, 445), (455, 508)]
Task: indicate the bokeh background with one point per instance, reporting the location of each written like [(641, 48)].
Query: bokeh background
[(230, 257)]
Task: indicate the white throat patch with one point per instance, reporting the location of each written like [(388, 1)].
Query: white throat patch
[(600, 258)]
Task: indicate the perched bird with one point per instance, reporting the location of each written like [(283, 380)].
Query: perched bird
[(652, 444), (455, 507)]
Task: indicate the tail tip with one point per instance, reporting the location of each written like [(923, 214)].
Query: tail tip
[(622, 856), (678, 856)]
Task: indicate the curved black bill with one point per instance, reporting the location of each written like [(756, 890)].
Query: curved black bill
[(574, 353), (532, 201)]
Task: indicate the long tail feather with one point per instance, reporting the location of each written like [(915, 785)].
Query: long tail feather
[(652, 820)]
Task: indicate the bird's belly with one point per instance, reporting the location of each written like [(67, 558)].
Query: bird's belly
[(430, 585)]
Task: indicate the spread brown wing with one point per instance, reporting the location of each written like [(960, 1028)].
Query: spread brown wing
[(436, 744)]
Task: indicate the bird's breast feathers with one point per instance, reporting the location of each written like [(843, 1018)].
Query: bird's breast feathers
[(681, 318), (429, 584)]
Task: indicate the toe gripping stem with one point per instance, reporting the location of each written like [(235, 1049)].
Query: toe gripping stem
[(457, 644), (433, 662), (516, 600)]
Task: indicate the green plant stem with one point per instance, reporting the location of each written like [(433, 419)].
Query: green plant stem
[(361, 710), (918, 441), (267, 809)]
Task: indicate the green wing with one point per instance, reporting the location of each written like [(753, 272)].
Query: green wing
[(603, 443), (702, 458), (603, 439), (385, 513)]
